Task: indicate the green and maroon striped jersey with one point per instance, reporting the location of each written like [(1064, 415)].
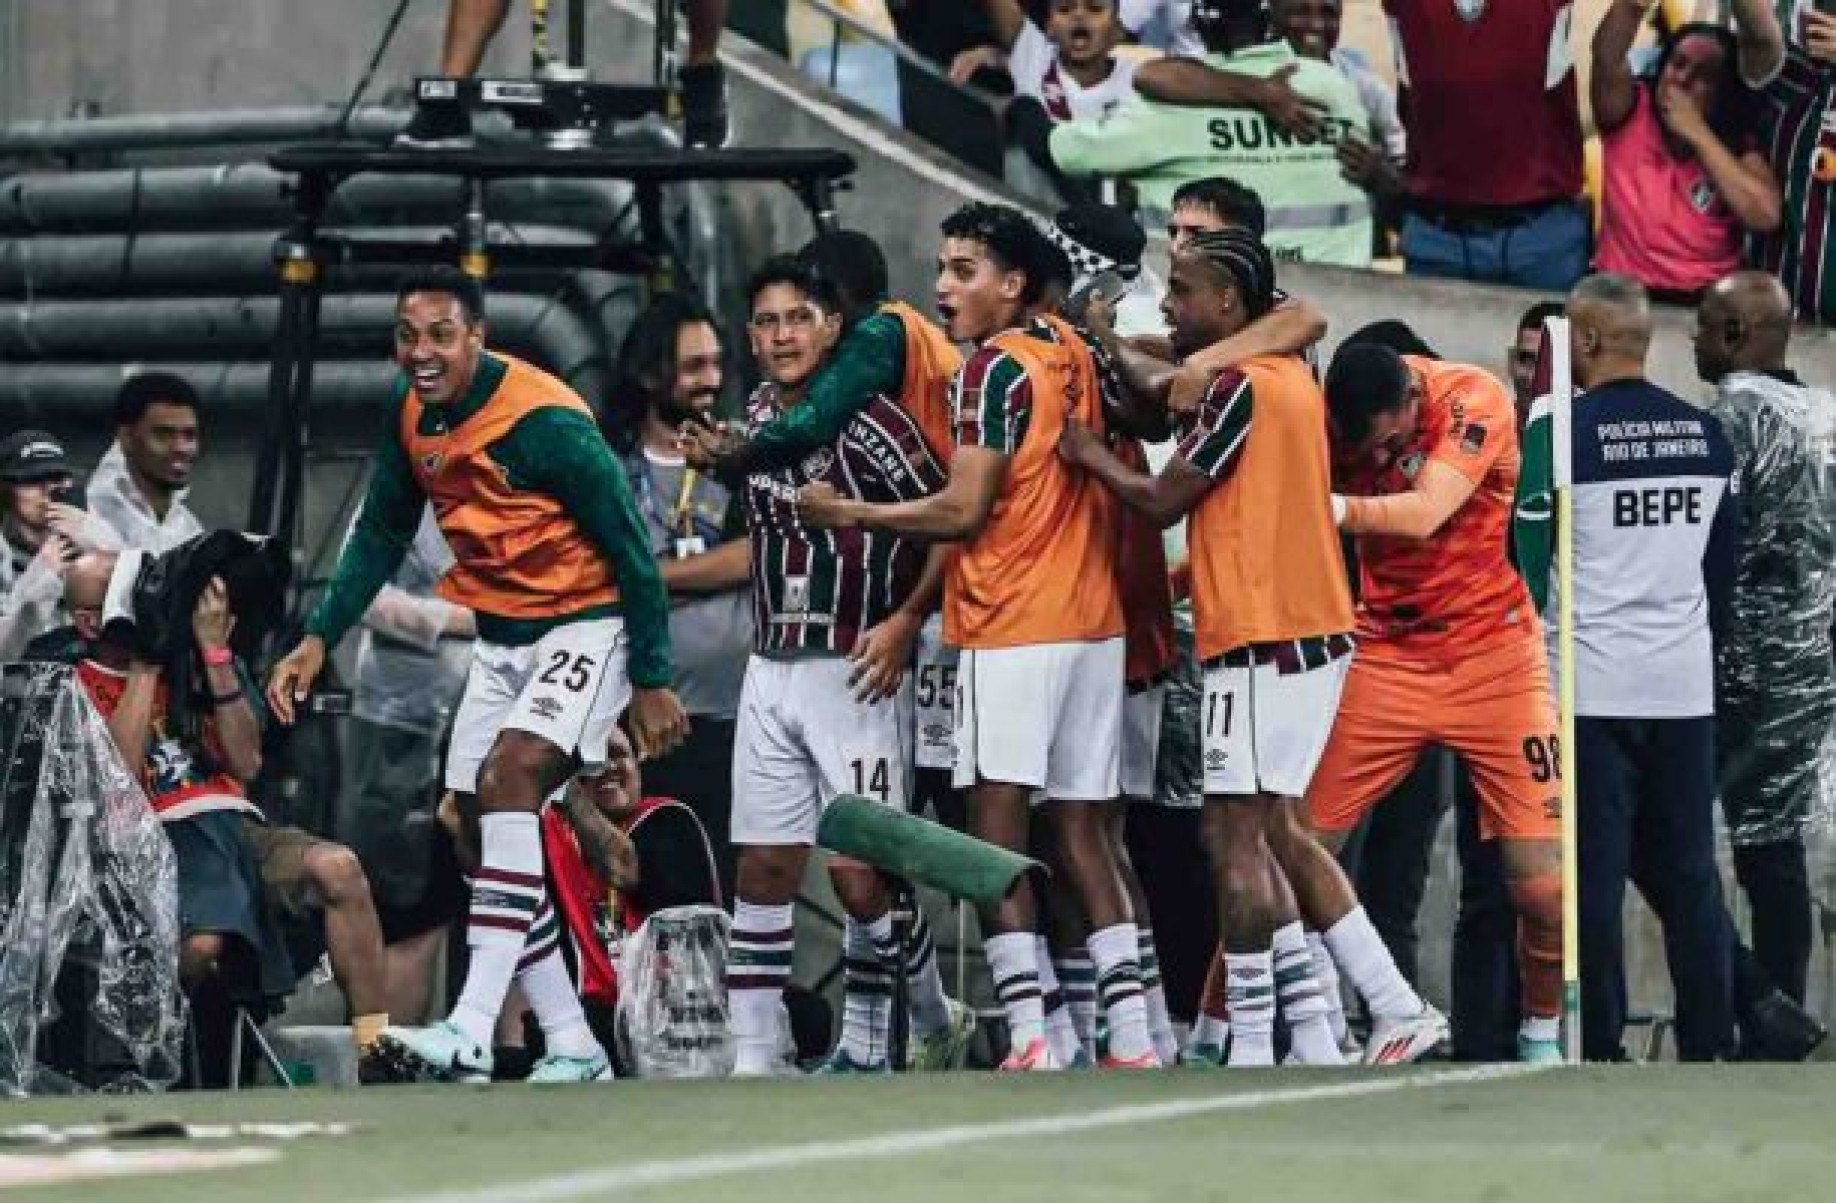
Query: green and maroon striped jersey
[(1797, 134), (821, 590)]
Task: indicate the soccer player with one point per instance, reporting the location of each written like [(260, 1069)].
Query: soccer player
[(554, 559), (1031, 600), (1450, 651), (1272, 620), (825, 709), (1100, 242)]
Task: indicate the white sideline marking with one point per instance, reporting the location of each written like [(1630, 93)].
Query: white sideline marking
[(844, 123), (611, 1179)]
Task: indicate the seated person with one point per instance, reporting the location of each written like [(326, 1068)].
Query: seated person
[(195, 757), (615, 857)]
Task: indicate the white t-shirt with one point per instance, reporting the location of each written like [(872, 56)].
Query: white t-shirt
[(1033, 63), (1165, 24)]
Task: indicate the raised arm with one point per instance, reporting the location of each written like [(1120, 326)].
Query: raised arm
[(1190, 82), (1761, 41), (1744, 180), (1611, 89), (869, 362), (1289, 329)]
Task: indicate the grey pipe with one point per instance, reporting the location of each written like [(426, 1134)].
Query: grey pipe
[(237, 263), (243, 328), (173, 131), (66, 397), (251, 196)]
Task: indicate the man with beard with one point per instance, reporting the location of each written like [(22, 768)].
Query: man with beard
[(1775, 695), (669, 376), (139, 486)]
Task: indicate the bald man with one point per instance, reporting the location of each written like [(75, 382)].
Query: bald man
[(1655, 533), (1776, 697)]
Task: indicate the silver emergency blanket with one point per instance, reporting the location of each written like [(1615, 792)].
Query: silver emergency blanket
[(89, 934), (672, 996), (1776, 697)]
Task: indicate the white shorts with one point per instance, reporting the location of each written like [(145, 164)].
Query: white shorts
[(569, 687), (1141, 740), (1264, 733), (1047, 716), (934, 698), (801, 739)]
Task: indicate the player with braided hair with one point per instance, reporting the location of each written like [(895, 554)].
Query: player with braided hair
[(1272, 623)]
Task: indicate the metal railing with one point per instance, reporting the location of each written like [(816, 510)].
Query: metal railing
[(840, 20)]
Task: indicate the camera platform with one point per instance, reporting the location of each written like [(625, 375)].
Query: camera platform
[(562, 108), (307, 250)]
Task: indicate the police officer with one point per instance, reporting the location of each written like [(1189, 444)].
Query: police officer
[(1656, 529)]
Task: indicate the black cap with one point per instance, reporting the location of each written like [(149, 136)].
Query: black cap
[(30, 455), (1098, 238)]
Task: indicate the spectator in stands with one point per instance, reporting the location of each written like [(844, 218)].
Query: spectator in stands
[(1494, 170), (1521, 356), (1797, 133), (40, 534), (139, 486), (196, 757), (1683, 182), (854, 58), (670, 373), (411, 665), (1163, 24), (1320, 217), (1063, 72), (1776, 697), (1369, 159), (471, 24), (1656, 531)]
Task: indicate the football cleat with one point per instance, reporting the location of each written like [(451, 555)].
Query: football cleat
[(1534, 1051), (1401, 1041), (841, 1061), (947, 1048), (1203, 1056), (1147, 1060), (441, 1053), (1036, 1057), (554, 1070), (437, 126)]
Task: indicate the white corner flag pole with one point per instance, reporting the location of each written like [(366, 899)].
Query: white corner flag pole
[(1562, 400)]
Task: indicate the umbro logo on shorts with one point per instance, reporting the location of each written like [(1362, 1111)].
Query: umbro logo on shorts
[(546, 709), (1216, 758)]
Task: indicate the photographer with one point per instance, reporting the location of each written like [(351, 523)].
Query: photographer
[(197, 753), (40, 534)]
